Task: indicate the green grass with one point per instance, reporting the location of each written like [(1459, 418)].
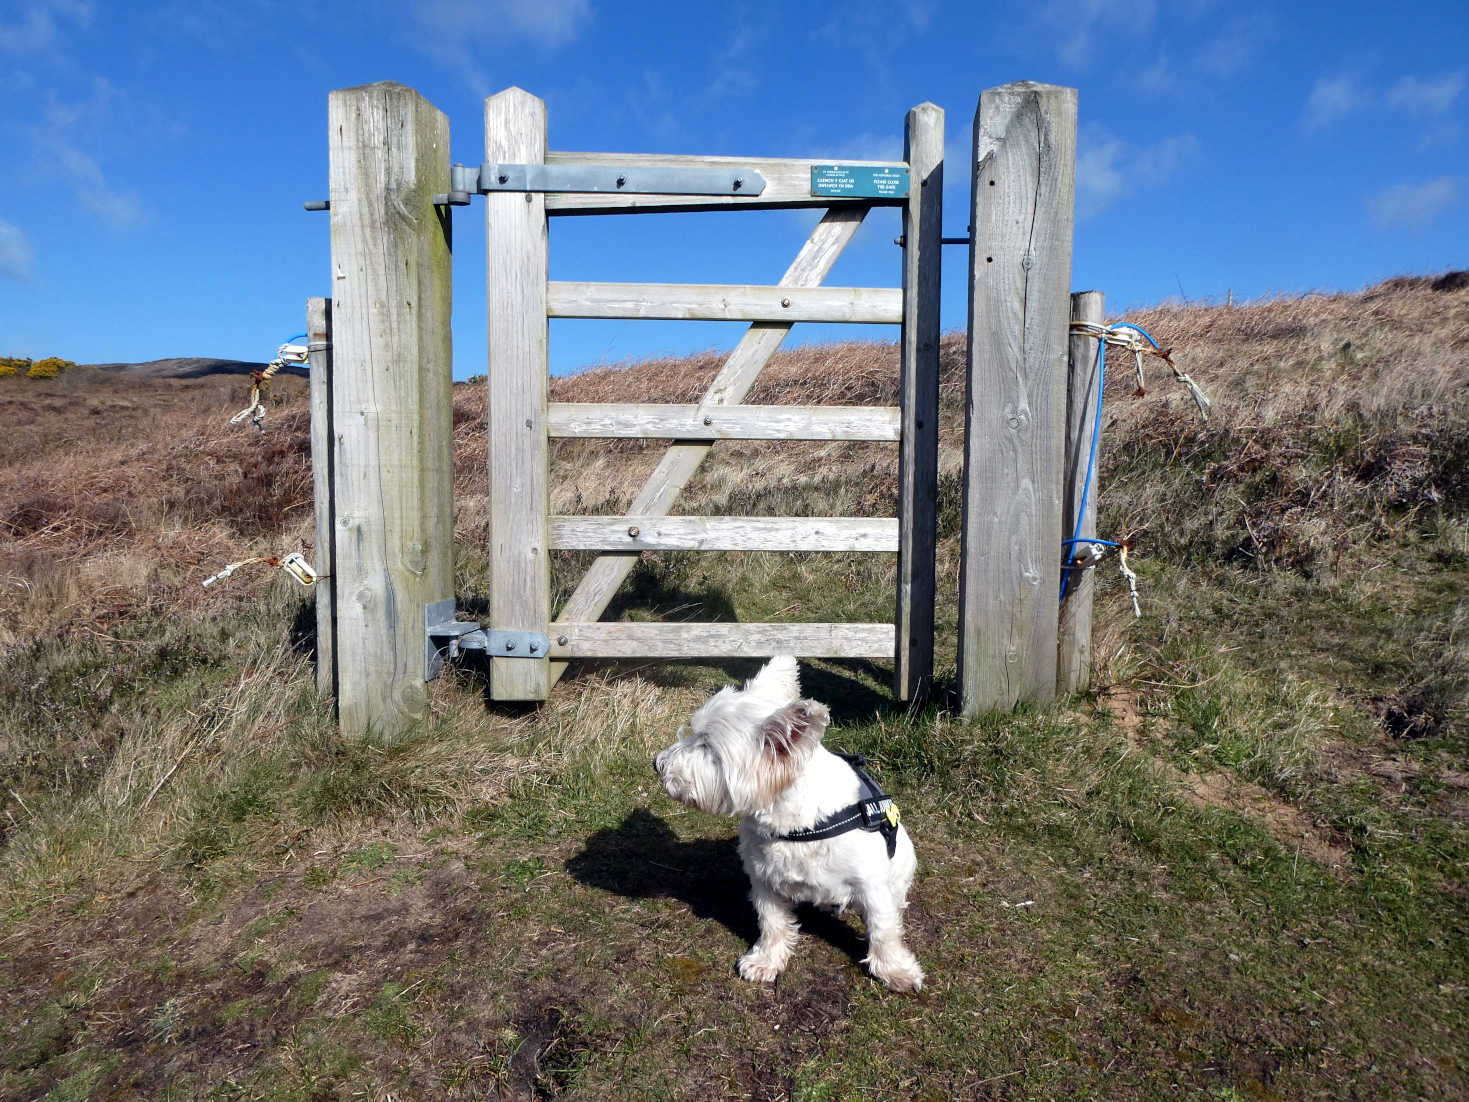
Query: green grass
[(206, 894)]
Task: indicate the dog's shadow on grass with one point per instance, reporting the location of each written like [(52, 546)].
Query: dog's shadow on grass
[(642, 858)]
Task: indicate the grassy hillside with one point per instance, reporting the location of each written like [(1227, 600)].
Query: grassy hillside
[(1238, 869)]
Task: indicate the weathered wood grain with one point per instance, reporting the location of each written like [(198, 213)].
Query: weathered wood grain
[(643, 533), (319, 344), (1020, 272), (630, 421), (918, 454), (725, 302), (392, 360), (787, 185), (1074, 643), (515, 230), (658, 640)]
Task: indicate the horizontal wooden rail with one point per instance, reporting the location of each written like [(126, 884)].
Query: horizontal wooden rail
[(629, 421), (724, 302), (651, 640), (787, 185), (648, 533)]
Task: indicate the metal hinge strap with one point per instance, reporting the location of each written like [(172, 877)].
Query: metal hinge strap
[(446, 638), (644, 179)]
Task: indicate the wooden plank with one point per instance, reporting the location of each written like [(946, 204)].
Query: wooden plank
[(637, 533), (725, 302), (1074, 642), (630, 421), (918, 455), (654, 640), (787, 185), (1020, 272), (319, 343), (515, 228), (729, 388), (392, 372)]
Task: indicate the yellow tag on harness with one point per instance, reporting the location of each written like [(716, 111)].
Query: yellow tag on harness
[(893, 816)]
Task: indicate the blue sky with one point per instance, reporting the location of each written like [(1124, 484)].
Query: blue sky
[(156, 155)]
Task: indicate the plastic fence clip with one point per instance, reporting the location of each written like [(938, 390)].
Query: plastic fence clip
[(297, 567), (294, 564), (222, 575), (1137, 612)]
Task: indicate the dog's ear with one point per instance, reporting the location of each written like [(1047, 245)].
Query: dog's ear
[(778, 679), (788, 737), (794, 730)]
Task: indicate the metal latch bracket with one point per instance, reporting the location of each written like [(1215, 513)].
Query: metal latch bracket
[(446, 638)]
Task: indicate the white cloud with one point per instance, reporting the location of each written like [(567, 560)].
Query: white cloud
[(919, 13), (16, 255), (455, 33), (40, 24), (1108, 168), (546, 22), (1233, 45), (1426, 97), (1100, 180), (735, 67), (1094, 30), (1413, 206), (1333, 99), (120, 210)]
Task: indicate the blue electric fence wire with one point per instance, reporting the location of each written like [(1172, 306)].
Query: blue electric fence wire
[(1138, 328), (1091, 463)]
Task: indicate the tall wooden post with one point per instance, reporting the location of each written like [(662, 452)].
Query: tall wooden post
[(392, 378), (1074, 646), (918, 459), (515, 226), (319, 346), (1022, 203)]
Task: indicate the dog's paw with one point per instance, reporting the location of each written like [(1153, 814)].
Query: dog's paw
[(897, 972), (758, 968)]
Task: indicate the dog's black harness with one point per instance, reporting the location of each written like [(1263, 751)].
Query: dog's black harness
[(874, 811)]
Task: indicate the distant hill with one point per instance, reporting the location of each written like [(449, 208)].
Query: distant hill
[(192, 367)]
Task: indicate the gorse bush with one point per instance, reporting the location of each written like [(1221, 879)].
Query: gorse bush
[(49, 368)]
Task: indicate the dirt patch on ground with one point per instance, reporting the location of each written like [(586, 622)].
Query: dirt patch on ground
[(1442, 789), (210, 992), (1289, 825)]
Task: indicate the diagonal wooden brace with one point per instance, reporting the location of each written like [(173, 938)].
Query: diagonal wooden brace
[(734, 381)]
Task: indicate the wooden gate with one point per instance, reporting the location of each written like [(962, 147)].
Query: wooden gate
[(382, 417), (521, 422)]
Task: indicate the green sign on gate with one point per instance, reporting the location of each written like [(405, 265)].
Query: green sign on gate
[(860, 181)]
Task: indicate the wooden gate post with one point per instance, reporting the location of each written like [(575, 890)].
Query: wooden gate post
[(391, 392), (515, 230), (1074, 646), (319, 349), (918, 458), (1022, 208)]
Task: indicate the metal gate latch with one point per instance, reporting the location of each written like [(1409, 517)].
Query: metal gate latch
[(446, 638)]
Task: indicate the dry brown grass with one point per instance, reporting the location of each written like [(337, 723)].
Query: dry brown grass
[(115, 494), (1398, 345), (202, 880)]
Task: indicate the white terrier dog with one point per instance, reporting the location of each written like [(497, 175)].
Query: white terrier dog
[(813, 828)]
